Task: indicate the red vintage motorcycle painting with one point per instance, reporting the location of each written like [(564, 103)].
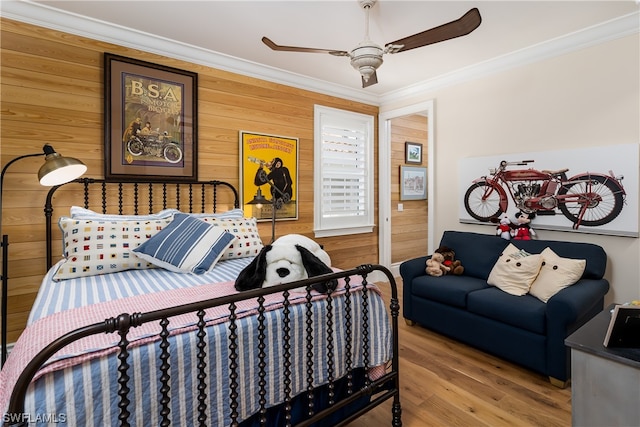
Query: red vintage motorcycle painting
[(589, 199)]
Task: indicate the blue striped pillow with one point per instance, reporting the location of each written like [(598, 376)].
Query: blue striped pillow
[(186, 245)]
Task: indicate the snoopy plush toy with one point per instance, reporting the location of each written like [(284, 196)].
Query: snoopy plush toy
[(291, 257)]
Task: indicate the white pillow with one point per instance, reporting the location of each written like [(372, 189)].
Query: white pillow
[(187, 245), (101, 247), (78, 212), (232, 213), (556, 274), (247, 243), (515, 270)]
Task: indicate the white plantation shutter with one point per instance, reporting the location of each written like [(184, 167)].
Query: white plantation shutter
[(343, 172)]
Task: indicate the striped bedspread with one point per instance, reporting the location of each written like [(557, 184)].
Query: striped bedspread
[(63, 295), (79, 384)]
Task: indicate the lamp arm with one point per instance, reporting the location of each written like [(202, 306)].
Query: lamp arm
[(262, 175), (276, 188), (3, 277), (4, 170), (283, 196), (275, 205), (57, 163), (24, 156)]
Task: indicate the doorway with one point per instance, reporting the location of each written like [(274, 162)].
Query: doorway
[(385, 174)]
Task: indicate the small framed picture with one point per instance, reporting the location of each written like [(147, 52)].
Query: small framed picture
[(413, 183), (413, 153)]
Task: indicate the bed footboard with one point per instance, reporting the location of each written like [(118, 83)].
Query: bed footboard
[(340, 387)]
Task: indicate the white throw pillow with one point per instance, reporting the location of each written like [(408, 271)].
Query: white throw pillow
[(100, 247), (230, 214), (556, 274), (78, 212), (515, 270), (248, 242)]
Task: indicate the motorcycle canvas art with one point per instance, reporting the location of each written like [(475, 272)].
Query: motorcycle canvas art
[(586, 199)]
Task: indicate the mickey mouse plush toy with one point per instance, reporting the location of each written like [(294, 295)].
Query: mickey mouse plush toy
[(523, 230)]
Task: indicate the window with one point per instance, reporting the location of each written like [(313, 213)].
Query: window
[(343, 172)]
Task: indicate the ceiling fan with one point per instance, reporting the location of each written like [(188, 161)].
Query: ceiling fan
[(367, 56)]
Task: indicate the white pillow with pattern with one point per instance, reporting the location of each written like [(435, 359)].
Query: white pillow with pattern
[(248, 242), (100, 247)]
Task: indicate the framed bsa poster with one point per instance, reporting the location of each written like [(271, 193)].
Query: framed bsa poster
[(150, 121), (269, 175)]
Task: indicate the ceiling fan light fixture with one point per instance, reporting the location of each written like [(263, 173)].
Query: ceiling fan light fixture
[(366, 58), (366, 72)]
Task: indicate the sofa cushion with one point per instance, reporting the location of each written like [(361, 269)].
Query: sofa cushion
[(477, 252), (515, 270), (451, 290), (526, 312), (594, 255), (556, 274)]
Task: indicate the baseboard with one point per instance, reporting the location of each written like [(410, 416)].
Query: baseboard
[(379, 276), (395, 269), (10, 347)]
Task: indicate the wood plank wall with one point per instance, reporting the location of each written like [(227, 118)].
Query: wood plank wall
[(409, 226), (52, 92)]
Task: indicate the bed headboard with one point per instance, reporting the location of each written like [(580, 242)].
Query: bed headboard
[(134, 198)]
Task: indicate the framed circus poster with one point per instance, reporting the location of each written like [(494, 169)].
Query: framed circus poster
[(150, 121), (269, 176)]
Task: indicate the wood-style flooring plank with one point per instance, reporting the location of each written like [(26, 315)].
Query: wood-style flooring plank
[(446, 383)]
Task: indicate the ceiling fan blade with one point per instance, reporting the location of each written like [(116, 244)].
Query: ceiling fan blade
[(460, 27), (278, 47), (373, 79)]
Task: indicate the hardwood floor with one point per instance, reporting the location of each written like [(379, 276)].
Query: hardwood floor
[(446, 383)]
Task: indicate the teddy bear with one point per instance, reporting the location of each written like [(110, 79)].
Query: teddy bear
[(455, 266), (435, 266)]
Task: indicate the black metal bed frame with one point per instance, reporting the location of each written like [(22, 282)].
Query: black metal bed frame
[(199, 194), (377, 391)]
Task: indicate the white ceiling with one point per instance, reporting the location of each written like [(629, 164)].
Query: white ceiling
[(235, 28)]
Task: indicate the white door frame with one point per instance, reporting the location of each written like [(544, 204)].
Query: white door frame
[(384, 178)]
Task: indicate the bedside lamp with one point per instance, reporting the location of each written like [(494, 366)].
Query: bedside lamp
[(56, 170), (259, 200), (277, 202)]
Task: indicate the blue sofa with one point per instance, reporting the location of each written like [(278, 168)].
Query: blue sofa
[(521, 329)]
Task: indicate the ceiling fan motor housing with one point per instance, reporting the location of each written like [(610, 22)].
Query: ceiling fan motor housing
[(366, 3), (366, 58)]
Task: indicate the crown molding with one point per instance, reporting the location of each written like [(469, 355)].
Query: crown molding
[(40, 14), (623, 26)]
